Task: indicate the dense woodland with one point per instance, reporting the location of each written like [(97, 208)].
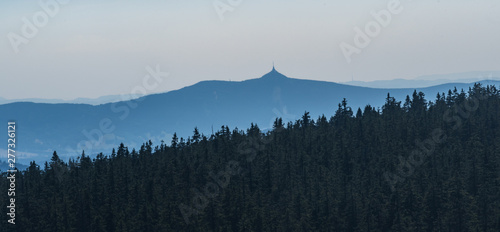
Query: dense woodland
[(414, 165)]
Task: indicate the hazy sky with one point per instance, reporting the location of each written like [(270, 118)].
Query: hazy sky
[(93, 48)]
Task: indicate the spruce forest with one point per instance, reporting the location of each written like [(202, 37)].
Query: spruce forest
[(411, 165)]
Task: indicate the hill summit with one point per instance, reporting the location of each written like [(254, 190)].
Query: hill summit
[(274, 75)]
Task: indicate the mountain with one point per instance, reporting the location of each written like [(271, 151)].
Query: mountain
[(90, 101), (71, 128), (430, 80)]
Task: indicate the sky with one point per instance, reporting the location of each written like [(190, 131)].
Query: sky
[(95, 48)]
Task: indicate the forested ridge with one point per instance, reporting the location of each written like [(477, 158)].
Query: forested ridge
[(414, 165)]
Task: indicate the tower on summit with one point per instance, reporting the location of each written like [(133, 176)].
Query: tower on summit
[(274, 74)]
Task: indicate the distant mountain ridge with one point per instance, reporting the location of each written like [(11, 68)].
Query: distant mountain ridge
[(430, 80), (90, 101), (71, 128)]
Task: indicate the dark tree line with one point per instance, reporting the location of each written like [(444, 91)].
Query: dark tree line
[(328, 174)]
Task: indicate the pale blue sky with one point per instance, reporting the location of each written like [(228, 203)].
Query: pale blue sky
[(95, 48)]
